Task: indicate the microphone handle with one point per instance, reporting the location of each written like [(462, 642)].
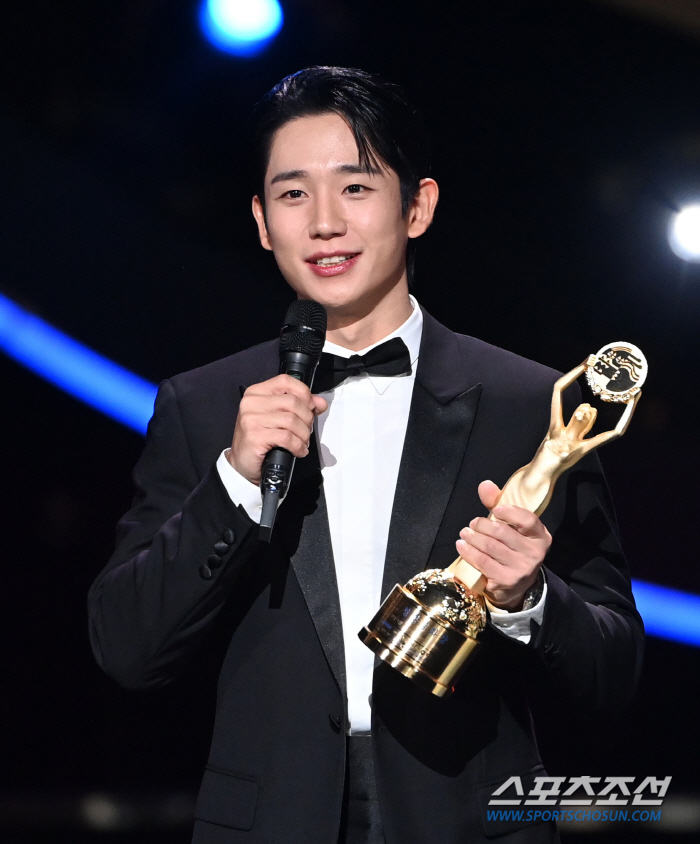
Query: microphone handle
[(299, 365), (279, 463)]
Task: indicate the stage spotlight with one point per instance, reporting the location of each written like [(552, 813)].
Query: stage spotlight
[(684, 233), (240, 27)]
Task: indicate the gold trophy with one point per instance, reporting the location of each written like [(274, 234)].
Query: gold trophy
[(429, 628)]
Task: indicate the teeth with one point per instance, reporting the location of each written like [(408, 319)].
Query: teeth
[(335, 259)]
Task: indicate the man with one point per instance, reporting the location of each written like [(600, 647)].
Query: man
[(312, 743)]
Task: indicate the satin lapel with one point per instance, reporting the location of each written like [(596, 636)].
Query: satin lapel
[(307, 542), (443, 408), (314, 566)]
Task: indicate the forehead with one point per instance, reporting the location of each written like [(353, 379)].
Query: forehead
[(320, 141)]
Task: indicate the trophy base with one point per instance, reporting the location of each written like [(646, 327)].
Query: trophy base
[(410, 637)]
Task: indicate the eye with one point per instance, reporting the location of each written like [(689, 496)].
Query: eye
[(355, 188), (295, 193)]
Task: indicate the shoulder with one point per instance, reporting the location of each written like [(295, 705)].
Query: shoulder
[(497, 363), (205, 400), (463, 361), (242, 369)]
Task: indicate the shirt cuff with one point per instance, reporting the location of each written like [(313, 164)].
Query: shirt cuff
[(516, 625), (241, 491)]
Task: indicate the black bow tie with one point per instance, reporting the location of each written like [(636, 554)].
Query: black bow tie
[(390, 358)]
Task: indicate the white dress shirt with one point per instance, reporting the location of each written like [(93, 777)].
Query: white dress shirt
[(360, 438)]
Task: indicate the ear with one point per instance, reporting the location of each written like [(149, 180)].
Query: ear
[(259, 215), (422, 208)]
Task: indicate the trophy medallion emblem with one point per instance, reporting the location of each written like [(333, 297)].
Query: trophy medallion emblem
[(616, 373), (429, 629)]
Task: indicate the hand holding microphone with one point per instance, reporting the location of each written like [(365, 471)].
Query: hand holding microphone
[(275, 418), (278, 412)]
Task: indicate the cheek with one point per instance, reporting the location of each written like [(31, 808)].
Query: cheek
[(384, 226), (281, 234), (393, 241)]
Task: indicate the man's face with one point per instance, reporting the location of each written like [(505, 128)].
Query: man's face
[(337, 233)]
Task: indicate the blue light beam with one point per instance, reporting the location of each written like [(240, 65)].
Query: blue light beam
[(668, 613), (80, 371), (240, 27)]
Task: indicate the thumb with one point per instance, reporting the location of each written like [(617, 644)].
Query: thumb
[(489, 494), (320, 405)]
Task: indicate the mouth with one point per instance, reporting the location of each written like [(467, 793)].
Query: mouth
[(330, 260), (332, 264)]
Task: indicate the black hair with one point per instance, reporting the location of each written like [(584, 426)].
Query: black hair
[(387, 128)]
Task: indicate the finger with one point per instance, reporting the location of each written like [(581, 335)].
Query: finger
[(284, 421), (281, 438), (254, 405), (492, 538), (502, 584), (493, 571), (290, 442), (477, 546), (281, 385), (489, 493), (267, 429), (508, 534), (525, 522), (505, 544)]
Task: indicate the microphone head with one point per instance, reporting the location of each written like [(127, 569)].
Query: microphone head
[(304, 328)]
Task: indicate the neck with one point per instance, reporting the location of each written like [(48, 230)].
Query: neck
[(356, 326)]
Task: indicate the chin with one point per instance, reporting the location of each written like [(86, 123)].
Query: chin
[(353, 303), (331, 295)]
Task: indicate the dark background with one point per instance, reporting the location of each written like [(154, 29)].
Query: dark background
[(565, 133)]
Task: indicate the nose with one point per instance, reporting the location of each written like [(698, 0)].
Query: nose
[(327, 218)]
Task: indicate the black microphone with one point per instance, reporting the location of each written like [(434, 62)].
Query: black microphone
[(301, 343)]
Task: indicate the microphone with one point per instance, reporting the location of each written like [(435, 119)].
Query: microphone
[(301, 342)]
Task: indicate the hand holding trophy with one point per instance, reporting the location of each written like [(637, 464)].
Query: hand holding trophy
[(429, 628)]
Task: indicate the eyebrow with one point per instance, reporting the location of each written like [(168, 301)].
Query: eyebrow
[(289, 175)]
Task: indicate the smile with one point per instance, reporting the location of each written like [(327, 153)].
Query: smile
[(334, 259), (331, 265)]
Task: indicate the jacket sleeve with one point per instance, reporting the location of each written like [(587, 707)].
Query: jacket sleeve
[(158, 596), (591, 640)]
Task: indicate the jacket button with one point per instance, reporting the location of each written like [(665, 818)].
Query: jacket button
[(221, 548), (205, 572), (213, 561), (228, 536), (336, 722)]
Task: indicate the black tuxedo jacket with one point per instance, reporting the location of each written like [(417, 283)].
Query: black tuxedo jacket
[(277, 762)]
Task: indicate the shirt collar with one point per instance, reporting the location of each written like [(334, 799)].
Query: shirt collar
[(410, 332)]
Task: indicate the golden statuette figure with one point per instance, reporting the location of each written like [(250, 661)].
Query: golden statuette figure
[(429, 628)]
